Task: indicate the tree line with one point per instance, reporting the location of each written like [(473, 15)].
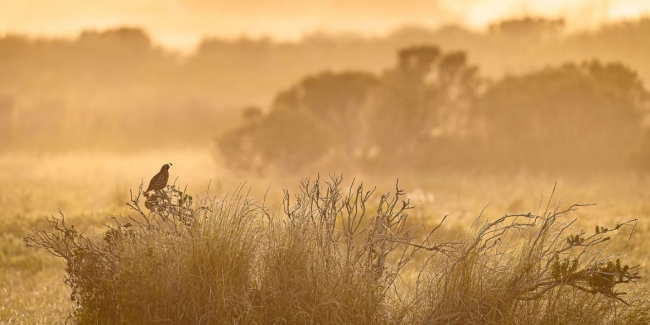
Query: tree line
[(116, 89), (434, 110)]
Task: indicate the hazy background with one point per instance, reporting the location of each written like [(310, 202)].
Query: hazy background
[(466, 101), (323, 85), (183, 23), (382, 89), (94, 97)]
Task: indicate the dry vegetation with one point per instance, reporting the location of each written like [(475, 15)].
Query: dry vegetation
[(265, 261), (213, 250)]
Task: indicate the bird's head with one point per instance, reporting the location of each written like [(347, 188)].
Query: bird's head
[(166, 166)]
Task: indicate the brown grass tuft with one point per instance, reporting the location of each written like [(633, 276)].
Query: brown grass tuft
[(339, 256)]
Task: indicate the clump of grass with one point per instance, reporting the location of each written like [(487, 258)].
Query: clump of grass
[(337, 256), (180, 262), (533, 269), (332, 259)]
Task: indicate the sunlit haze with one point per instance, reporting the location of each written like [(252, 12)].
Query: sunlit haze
[(325, 162), (182, 23)]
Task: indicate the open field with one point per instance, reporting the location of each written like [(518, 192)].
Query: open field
[(89, 187)]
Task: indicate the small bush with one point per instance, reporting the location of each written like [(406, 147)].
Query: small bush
[(532, 269), (335, 256)]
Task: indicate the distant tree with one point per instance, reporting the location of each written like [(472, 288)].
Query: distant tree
[(528, 28), (305, 122), (572, 116), (331, 97), (129, 37), (428, 95), (350, 117)]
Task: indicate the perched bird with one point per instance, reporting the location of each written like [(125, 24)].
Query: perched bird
[(159, 181)]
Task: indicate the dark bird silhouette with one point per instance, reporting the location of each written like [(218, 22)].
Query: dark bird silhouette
[(159, 181)]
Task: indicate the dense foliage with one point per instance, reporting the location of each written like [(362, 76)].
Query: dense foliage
[(434, 111), (114, 88), (337, 256)]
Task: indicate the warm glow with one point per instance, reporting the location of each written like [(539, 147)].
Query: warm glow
[(159, 135), (628, 9), (182, 23)]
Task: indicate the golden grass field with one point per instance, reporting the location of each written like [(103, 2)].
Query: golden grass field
[(88, 187)]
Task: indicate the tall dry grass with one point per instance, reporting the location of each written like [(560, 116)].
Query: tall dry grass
[(339, 255)]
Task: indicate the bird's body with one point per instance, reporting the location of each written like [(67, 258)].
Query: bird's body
[(159, 181)]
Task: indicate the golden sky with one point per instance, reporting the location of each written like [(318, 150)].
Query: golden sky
[(181, 23)]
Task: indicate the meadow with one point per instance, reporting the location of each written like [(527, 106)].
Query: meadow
[(90, 187)]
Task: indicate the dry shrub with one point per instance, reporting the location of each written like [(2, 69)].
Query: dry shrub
[(533, 269), (336, 256), (182, 262)]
